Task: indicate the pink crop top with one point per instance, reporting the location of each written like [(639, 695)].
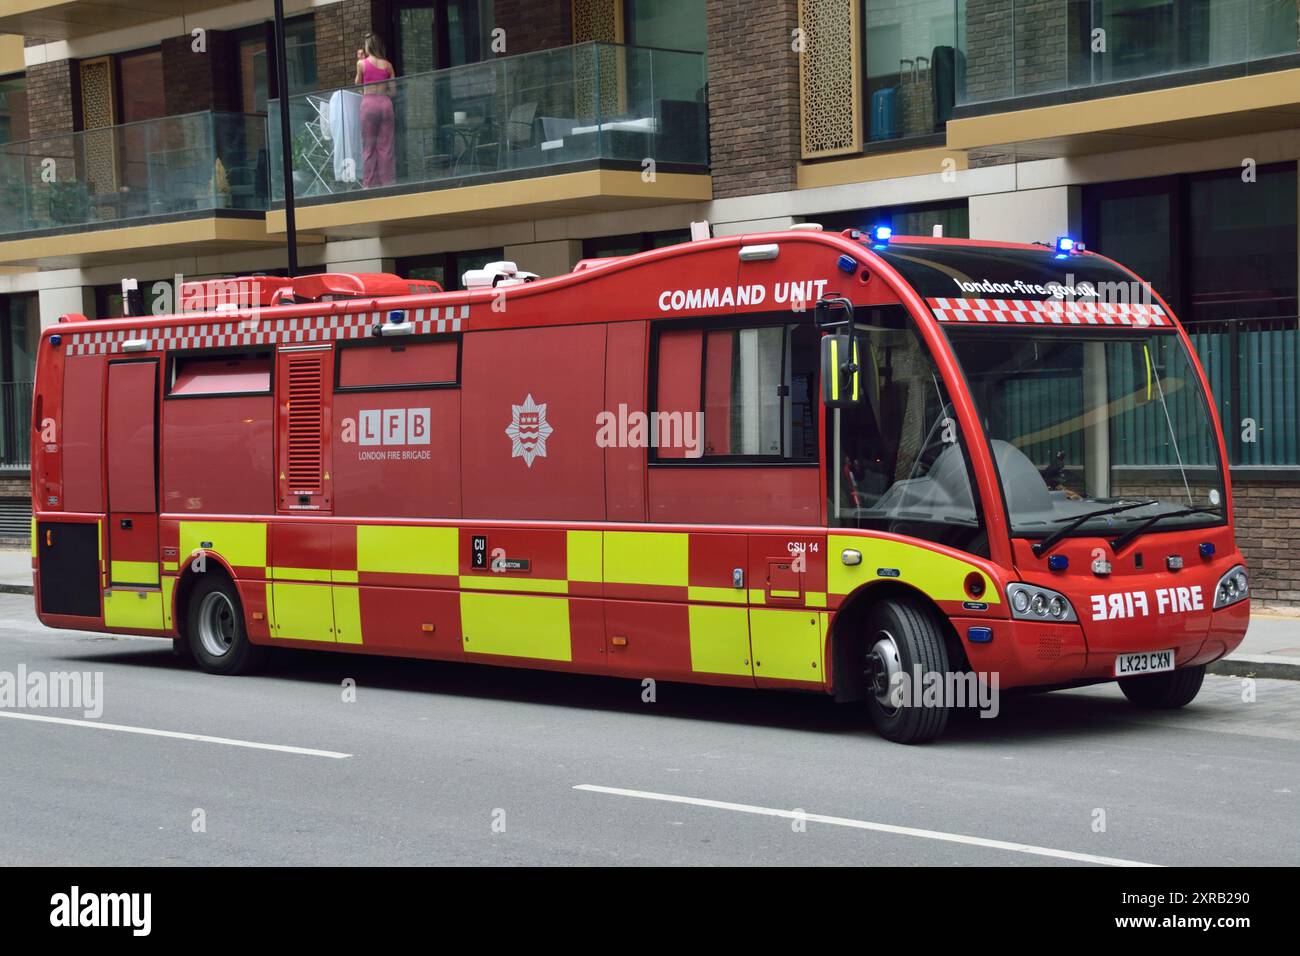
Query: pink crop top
[(373, 74)]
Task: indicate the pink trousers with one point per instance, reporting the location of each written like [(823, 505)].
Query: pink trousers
[(377, 140)]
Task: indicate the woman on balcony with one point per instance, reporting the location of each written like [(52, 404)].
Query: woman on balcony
[(376, 74)]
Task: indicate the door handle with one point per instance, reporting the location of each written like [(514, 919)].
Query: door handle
[(126, 524)]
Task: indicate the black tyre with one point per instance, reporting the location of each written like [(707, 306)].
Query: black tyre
[(1164, 691), (900, 637), (217, 636)]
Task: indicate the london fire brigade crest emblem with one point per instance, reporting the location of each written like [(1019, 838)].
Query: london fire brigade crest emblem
[(528, 430)]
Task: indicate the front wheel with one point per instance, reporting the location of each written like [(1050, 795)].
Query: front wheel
[(902, 642), (1164, 691), (217, 636)]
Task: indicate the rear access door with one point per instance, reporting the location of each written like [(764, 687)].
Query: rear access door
[(134, 599)]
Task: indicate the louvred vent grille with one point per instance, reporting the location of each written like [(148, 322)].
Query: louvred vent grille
[(305, 420)]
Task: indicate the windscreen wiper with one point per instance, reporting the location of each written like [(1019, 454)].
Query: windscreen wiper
[(1042, 547), (1132, 533)]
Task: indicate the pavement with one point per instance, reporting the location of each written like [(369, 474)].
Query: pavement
[(1271, 647), (337, 759)]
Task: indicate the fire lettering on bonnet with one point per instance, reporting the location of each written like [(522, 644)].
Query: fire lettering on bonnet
[(1121, 604)]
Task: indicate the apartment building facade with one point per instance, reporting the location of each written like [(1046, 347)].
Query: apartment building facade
[(1165, 133)]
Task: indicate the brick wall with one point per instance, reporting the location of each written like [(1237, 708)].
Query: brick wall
[(1267, 516), (340, 28), (534, 24), (1268, 525), (753, 97), (199, 81), (50, 89)]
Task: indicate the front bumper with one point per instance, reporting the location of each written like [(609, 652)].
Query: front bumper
[(1033, 653)]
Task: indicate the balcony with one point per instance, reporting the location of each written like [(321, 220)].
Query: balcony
[(1079, 76), (577, 129), (65, 19), (188, 183)]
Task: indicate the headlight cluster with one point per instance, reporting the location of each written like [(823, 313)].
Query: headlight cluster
[(1232, 587), (1038, 604)]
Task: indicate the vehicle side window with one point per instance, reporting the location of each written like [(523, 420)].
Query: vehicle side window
[(898, 462), (398, 363), (232, 373), (735, 395)]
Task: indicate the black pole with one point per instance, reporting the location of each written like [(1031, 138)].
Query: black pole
[(286, 144)]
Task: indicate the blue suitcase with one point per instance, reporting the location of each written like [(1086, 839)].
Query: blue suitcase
[(884, 113)]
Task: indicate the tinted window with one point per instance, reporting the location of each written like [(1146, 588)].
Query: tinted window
[(221, 375), (400, 365), (748, 390)]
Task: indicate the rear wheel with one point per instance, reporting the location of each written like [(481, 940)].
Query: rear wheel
[(1164, 691), (901, 641), (217, 636)]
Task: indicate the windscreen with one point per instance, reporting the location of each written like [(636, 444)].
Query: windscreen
[(1090, 421), (1093, 410)]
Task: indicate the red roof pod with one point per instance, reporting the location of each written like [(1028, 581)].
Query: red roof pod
[(356, 284), (236, 292)]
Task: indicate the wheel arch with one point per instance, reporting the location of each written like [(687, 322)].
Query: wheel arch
[(188, 581), (847, 633)]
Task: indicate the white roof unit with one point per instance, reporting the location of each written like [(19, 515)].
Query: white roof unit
[(496, 274)]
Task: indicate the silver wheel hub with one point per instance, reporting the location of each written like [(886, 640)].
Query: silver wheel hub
[(885, 669), (216, 624)]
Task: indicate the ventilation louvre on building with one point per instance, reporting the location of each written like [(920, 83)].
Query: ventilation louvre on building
[(15, 517)]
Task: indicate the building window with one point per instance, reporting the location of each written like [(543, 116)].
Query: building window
[(255, 61), (667, 24), (20, 331), (436, 34), (603, 247), (1217, 248), (446, 268), (910, 67), (108, 299), (1223, 253), (915, 220), (13, 109)]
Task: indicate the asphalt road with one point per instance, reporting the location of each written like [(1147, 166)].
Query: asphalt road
[(461, 764)]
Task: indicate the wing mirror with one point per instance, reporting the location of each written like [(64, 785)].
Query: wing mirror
[(840, 359)]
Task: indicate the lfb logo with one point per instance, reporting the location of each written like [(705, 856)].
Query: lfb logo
[(528, 431), (388, 426)]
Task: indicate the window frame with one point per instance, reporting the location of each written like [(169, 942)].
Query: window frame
[(174, 357), (704, 325), (379, 341)]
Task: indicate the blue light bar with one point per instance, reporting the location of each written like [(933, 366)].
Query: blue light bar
[(882, 234), (1065, 245)]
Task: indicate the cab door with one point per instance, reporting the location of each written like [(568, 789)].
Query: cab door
[(134, 597)]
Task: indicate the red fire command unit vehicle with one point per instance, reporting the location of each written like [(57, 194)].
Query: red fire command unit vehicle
[(801, 460)]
